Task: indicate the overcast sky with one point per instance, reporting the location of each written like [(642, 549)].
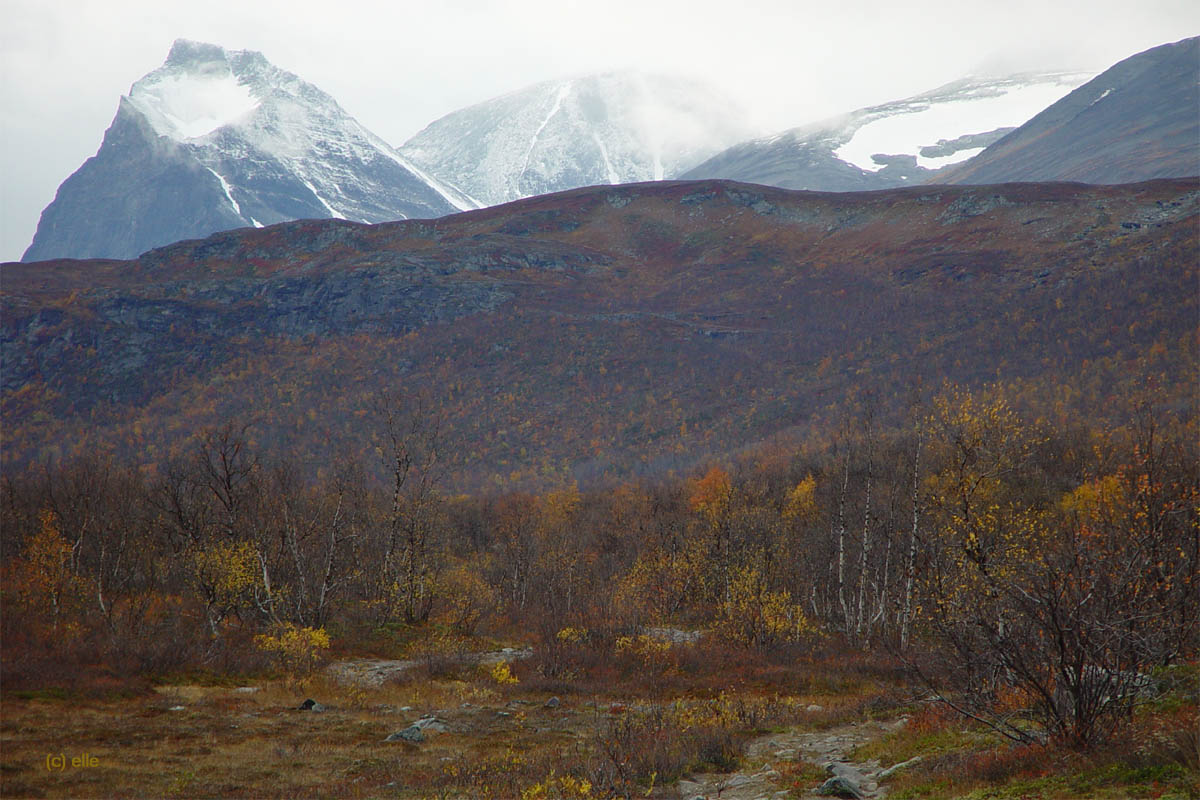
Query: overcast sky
[(398, 65)]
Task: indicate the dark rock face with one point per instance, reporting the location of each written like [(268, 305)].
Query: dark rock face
[(281, 149), (140, 190), (1136, 121), (798, 160), (176, 324)]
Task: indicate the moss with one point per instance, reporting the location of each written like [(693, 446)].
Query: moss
[(1113, 781), (903, 745), (48, 693)]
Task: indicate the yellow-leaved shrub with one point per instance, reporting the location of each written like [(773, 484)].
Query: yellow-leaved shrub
[(296, 650)]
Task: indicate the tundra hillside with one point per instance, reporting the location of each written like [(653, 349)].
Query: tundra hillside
[(604, 333), (670, 489)]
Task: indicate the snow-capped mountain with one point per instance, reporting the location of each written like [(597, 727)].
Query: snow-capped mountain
[(217, 139), (598, 129), (896, 143), (1137, 120)]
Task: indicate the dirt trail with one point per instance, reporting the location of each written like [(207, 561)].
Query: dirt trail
[(759, 781)]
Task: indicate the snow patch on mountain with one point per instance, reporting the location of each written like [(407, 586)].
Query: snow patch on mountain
[(892, 144), (559, 96), (924, 124), (228, 194), (191, 104), (455, 197), (333, 212)]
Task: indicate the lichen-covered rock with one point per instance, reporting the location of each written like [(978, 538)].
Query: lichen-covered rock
[(840, 786), (410, 735)]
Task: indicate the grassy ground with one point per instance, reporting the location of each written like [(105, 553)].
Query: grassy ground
[(186, 739), (1157, 756)]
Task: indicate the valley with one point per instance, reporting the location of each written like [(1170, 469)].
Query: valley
[(592, 444)]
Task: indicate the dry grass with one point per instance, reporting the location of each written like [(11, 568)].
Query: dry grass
[(225, 743), (196, 740), (193, 740)]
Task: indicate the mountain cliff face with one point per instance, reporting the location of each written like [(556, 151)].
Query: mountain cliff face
[(214, 140), (893, 144), (597, 129), (1138, 120), (605, 331)]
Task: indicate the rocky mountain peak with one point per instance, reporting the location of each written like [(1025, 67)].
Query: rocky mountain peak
[(604, 128), (214, 140), (185, 52)]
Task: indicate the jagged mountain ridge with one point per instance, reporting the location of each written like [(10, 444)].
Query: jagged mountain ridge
[(1138, 120), (600, 332), (216, 139), (620, 127), (893, 144)]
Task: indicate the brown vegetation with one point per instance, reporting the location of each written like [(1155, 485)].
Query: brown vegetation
[(605, 334), (1038, 580), (821, 538)]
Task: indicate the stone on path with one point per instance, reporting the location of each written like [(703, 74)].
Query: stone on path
[(840, 786), (892, 770)]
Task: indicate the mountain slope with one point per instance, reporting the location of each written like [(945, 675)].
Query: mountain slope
[(1138, 120), (595, 129), (214, 140), (893, 144), (604, 331)]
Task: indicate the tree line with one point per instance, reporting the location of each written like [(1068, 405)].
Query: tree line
[(1045, 570)]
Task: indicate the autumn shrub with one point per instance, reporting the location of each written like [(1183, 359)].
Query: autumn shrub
[(225, 574), (466, 599), (645, 652), (507, 774), (1171, 737), (295, 650), (659, 586), (502, 675), (931, 717), (634, 750), (568, 652), (1007, 762), (1061, 602), (752, 615), (559, 787), (800, 776), (155, 633), (441, 652)]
